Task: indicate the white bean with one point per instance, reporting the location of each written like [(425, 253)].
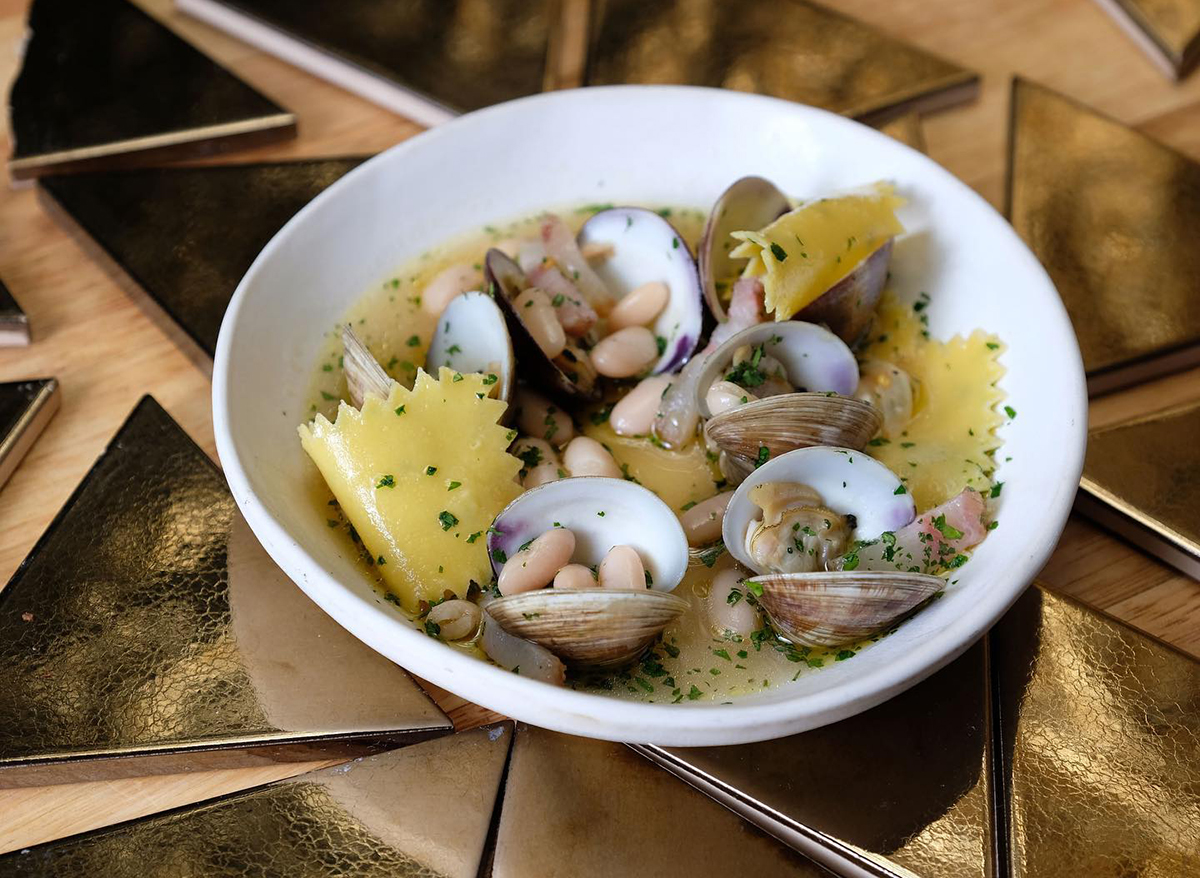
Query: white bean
[(541, 474), (625, 353), (622, 568), (634, 414), (457, 619), (584, 456), (535, 566), (702, 523), (640, 306), (540, 320), (725, 395), (575, 576), (594, 250), (537, 416), (447, 284), (739, 617)]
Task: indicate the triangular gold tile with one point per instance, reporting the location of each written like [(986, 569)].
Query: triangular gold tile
[(582, 808), (25, 409), (907, 129), (1142, 479), (420, 812), (1168, 31), (179, 239), (148, 622), (787, 48), (14, 325), (1111, 214), (888, 792), (1099, 745), (103, 83)]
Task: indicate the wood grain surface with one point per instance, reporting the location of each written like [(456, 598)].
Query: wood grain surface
[(107, 353)]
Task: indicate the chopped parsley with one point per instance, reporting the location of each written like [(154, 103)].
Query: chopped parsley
[(454, 485), (778, 252), (433, 629), (430, 470), (413, 341), (498, 556), (946, 530), (447, 519), (900, 490), (764, 454), (400, 410), (387, 481), (489, 379), (1010, 411), (996, 489)]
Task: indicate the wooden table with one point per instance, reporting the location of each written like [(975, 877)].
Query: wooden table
[(107, 354)]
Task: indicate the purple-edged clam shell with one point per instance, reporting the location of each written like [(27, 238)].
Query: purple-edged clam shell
[(849, 482), (602, 513), (849, 305), (647, 248)]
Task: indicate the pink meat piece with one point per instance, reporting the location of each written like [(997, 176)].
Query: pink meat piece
[(745, 310), (560, 246), (924, 543), (575, 315)]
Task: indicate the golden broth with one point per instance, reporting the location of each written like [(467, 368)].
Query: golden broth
[(690, 663)]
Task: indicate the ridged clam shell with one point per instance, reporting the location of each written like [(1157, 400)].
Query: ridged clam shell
[(836, 607), (596, 628), (363, 373), (849, 305), (794, 420)]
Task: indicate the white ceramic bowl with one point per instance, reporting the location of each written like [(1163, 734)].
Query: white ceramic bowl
[(655, 145)]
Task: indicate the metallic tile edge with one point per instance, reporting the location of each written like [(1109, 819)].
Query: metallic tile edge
[(29, 426)]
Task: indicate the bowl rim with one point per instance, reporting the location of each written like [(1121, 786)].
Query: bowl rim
[(599, 716)]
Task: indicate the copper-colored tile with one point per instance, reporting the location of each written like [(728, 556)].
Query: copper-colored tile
[(1167, 30), (902, 789), (180, 239), (1100, 745), (907, 129), (147, 621), (26, 407), (14, 325), (103, 83), (428, 59), (420, 812), (576, 808), (1142, 479), (1110, 213), (787, 48)]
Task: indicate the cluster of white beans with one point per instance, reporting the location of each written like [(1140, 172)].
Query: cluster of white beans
[(547, 561), (560, 452)]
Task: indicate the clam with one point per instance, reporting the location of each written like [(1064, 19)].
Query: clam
[(848, 307), (593, 627), (472, 336), (647, 249), (804, 512), (363, 373), (569, 373), (748, 203), (821, 412)]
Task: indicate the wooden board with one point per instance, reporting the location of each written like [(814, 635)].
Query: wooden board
[(107, 354)]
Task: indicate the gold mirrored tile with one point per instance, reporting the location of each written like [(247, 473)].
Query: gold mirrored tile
[(148, 622), (787, 48), (103, 83), (420, 812), (426, 59), (1142, 480), (180, 239), (14, 325), (907, 129), (578, 808), (1168, 31), (902, 789), (1100, 735), (26, 407), (1111, 214)]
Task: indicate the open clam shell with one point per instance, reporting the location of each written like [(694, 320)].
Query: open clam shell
[(602, 513), (832, 608), (570, 373), (647, 248), (849, 482), (815, 359), (794, 420), (363, 373), (748, 203), (472, 336), (849, 305), (597, 628)]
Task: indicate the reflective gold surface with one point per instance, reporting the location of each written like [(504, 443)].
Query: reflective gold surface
[(147, 620), (14, 325), (26, 407), (907, 129), (1112, 215), (1148, 471), (576, 808), (420, 812), (1169, 28), (901, 788), (127, 215), (786, 48), (102, 82), (1101, 745)]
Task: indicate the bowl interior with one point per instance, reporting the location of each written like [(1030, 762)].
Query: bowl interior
[(645, 145)]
